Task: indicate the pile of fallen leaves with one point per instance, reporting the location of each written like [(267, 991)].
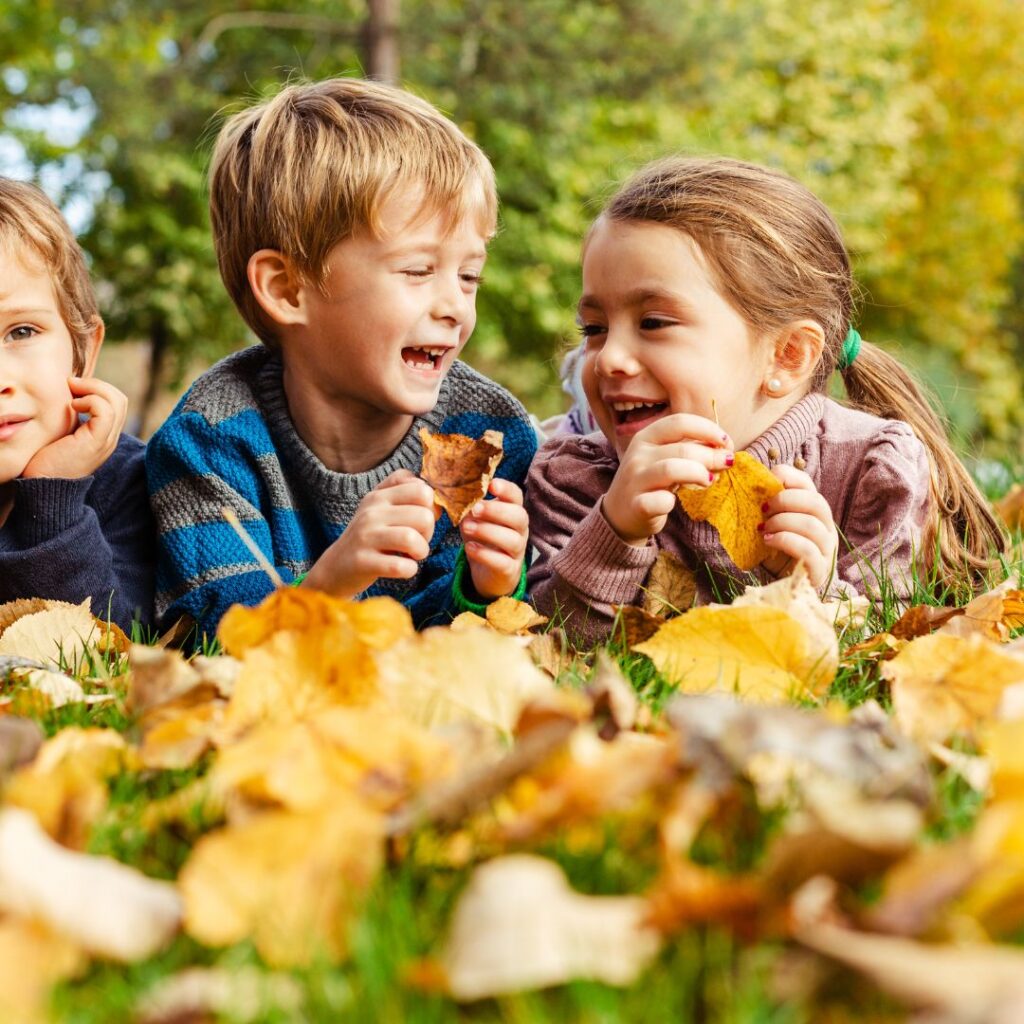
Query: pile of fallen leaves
[(332, 742)]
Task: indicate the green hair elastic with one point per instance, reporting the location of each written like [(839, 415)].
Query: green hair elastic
[(851, 349)]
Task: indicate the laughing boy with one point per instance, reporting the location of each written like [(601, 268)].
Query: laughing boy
[(350, 221)]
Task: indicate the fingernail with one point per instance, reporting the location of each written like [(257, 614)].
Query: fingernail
[(478, 508), (764, 507), (711, 478), (760, 527), (730, 459)]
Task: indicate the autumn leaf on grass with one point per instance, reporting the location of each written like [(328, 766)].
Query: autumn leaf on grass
[(177, 733), (992, 614), (671, 587), (689, 894), (56, 636), (518, 925), (440, 676), (32, 960), (761, 653), (289, 881), (1010, 508), (108, 908), (302, 766), (732, 504), (949, 685), (65, 786), (460, 468), (513, 617)]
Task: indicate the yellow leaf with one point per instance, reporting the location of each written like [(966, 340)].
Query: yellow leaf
[(440, 676), (507, 615), (177, 733), (732, 504), (1010, 508), (288, 881), (760, 653), (945, 685), (32, 959), (459, 468), (671, 587)]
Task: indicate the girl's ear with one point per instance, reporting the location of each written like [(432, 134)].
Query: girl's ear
[(92, 347), (798, 347), (277, 286)]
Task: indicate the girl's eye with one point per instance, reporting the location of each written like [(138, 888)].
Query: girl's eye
[(22, 333), (592, 330), (653, 323)]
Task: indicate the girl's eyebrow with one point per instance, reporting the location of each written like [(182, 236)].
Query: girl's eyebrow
[(637, 297), (14, 311)]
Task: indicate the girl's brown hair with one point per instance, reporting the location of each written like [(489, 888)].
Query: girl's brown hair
[(31, 224), (777, 254)]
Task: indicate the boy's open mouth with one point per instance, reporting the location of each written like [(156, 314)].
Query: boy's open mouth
[(637, 412), (423, 358)]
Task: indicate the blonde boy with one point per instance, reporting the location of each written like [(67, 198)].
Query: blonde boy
[(74, 517), (350, 221)]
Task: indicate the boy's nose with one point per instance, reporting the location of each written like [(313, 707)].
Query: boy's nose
[(451, 301)]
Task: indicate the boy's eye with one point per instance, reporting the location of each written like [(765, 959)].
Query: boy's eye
[(471, 277), (22, 333), (418, 272)]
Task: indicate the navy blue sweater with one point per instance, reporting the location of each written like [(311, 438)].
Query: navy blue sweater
[(89, 537)]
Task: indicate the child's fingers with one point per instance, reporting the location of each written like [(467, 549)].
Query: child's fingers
[(809, 527), (797, 501), (690, 451), (393, 567), (683, 426), (400, 476), (654, 504), (501, 512), (670, 473), (506, 491), (101, 428), (401, 540), (408, 491), (790, 476), (501, 538), (483, 557)]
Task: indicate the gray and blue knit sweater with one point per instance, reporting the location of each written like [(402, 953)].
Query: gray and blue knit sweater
[(231, 442)]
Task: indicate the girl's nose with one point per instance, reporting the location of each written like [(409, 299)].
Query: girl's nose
[(617, 357)]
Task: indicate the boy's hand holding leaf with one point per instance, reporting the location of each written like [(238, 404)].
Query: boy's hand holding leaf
[(673, 451)]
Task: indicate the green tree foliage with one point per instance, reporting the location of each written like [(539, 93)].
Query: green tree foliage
[(894, 111)]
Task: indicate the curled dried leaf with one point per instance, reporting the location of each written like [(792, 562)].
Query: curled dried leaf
[(460, 468)]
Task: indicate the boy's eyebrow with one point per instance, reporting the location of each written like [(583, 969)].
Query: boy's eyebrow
[(411, 248)]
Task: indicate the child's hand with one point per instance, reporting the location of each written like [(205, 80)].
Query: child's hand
[(90, 444), (799, 527), (387, 538), (495, 534), (675, 450)]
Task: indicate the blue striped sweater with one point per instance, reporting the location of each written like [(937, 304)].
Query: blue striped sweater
[(231, 442)]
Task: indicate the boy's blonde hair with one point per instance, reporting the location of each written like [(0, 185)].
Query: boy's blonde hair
[(31, 223), (313, 165), (777, 255)]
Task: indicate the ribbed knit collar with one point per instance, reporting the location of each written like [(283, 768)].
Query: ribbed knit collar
[(782, 441), (269, 389)]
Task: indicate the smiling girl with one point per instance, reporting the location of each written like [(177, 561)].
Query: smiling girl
[(714, 281)]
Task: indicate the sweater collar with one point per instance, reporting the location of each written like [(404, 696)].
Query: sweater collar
[(408, 454), (782, 441)]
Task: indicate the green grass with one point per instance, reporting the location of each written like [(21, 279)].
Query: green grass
[(702, 975)]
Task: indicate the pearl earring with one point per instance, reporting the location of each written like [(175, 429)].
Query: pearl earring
[(774, 384)]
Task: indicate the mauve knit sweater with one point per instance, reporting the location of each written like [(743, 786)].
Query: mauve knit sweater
[(874, 474)]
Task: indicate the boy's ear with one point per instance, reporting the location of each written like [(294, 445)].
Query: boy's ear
[(277, 286), (92, 347), (798, 347)]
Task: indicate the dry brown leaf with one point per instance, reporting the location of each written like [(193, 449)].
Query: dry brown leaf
[(439, 676), (55, 636), (671, 587), (20, 740), (32, 960), (880, 647), (761, 653), (157, 675), (519, 925), (688, 894), (947, 685), (244, 995), (992, 614), (513, 617), (65, 785), (107, 908), (1010, 508), (732, 504), (288, 881), (921, 620), (459, 468), (615, 700), (638, 626), (551, 652)]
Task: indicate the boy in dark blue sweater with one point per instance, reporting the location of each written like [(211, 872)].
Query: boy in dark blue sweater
[(74, 517), (351, 221)]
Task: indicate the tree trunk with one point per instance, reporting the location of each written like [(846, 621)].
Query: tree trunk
[(381, 41), (158, 349)]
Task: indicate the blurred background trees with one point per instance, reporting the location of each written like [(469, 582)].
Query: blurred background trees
[(906, 116)]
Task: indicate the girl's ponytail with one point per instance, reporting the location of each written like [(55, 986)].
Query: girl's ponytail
[(963, 532)]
